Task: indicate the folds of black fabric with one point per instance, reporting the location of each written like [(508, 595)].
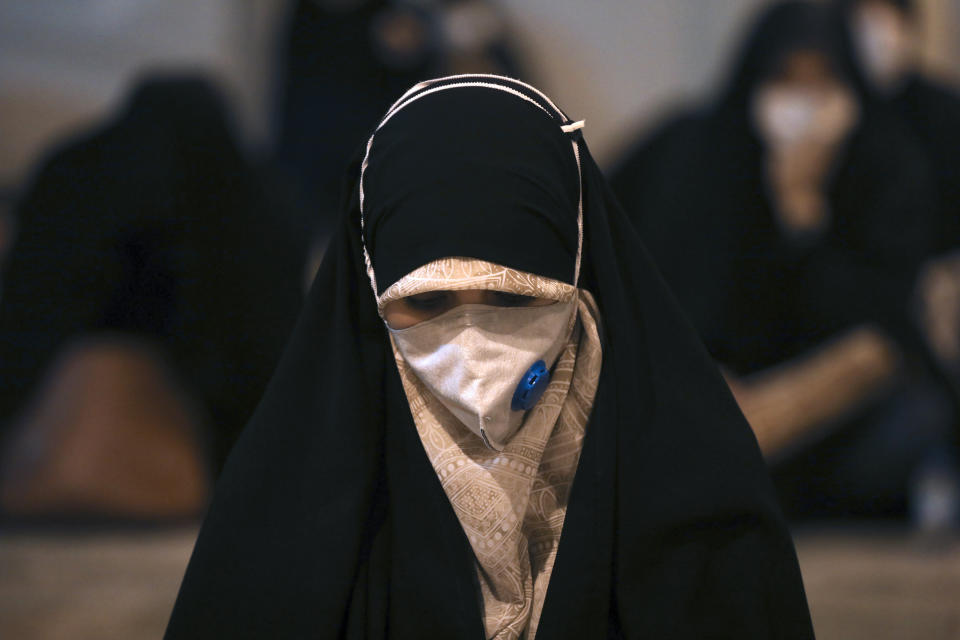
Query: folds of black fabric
[(329, 520), (932, 112)]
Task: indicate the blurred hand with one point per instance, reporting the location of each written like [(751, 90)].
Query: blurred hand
[(796, 181), (797, 175), (786, 403), (802, 128), (938, 291)]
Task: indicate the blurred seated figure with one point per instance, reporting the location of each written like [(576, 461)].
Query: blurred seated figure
[(343, 62), (792, 235), (150, 288), (883, 37)]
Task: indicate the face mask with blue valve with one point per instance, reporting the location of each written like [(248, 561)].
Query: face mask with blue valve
[(488, 365)]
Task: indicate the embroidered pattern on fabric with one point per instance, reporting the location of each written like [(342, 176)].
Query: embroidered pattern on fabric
[(512, 503)]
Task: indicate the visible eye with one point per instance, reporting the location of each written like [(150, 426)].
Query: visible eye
[(504, 299), (427, 301)]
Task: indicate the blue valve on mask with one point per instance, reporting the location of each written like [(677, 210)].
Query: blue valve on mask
[(531, 387)]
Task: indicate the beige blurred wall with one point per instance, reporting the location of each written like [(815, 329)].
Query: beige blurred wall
[(619, 63), (613, 62), (65, 63)]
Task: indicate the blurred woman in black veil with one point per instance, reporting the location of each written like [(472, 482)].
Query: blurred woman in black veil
[(883, 40), (491, 420), (792, 237), (342, 62), (153, 227)]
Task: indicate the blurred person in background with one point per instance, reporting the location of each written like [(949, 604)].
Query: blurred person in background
[(344, 61), (151, 286), (790, 219), (883, 38)]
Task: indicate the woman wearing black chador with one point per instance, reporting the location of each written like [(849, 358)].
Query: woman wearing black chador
[(792, 234), (491, 421)]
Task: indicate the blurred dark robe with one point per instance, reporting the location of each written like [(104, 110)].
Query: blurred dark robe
[(931, 112), (155, 225), (928, 110), (695, 187)]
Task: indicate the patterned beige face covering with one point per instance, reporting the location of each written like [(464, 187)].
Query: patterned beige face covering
[(477, 359), (511, 502)]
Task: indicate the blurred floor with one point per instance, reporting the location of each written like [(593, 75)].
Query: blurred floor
[(881, 585), (86, 586), (872, 586)]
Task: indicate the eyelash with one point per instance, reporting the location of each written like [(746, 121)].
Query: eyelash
[(512, 299), (427, 303)]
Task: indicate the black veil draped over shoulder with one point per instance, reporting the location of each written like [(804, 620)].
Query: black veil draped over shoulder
[(329, 520)]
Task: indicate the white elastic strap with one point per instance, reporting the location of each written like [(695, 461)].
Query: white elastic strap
[(576, 266), (363, 242), (459, 85), (488, 76)]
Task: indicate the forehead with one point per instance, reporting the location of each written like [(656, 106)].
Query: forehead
[(805, 66)]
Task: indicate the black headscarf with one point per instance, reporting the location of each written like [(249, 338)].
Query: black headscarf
[(696, 189), (329, 520), (156, 224)]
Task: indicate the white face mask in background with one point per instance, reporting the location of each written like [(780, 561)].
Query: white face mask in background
[(473, 357), (884, 45), (787, 116)]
